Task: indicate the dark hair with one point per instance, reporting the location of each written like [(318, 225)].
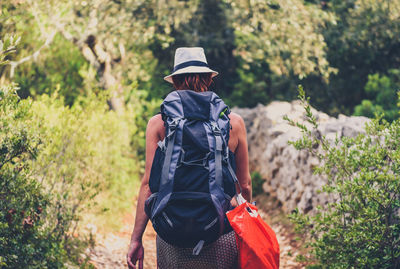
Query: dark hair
[(198, 82)]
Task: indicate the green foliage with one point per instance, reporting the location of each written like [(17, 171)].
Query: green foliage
[(59, 69), (257, 48), (250, 90), (368, 109), (7, 46), (59, 36), (284, 34), (138, 112), (58, 159), (261, 49), (363, 41), (88, 149), (26, 241), (256, 86), (257, 183), (361, 229), (195, 31), (381, 90)]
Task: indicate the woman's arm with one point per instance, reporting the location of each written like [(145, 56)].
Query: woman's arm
[(242, 158), (136, 252)]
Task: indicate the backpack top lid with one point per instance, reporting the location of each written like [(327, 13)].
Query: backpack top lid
[(193, 105)]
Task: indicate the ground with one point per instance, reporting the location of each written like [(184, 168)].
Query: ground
[(110, 250)]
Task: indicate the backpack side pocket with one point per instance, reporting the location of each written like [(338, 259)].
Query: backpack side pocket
[(156, 168)]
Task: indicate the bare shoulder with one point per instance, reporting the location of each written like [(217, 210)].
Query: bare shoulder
[(156, 125), (155, 120), (238, 133), (237, 122)]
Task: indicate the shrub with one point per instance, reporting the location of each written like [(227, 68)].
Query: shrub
[(87, 158), (381, 90), (257, 183), (25, 239), (361, 229)]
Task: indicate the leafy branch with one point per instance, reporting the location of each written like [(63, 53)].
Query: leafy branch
[(7, 46)]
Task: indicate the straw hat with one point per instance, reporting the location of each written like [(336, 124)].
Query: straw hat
[(190, 60)]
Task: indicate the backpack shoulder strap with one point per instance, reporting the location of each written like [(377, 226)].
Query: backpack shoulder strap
[(172, 113)]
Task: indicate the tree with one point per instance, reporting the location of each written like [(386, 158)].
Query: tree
[(277, 42), (284, 34), (364, 40), (112, 36), (209, 27)]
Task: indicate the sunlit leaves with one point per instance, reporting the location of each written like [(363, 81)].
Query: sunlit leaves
[(285, 34)]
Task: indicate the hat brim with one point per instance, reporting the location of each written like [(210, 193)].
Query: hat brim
[(191, 69)]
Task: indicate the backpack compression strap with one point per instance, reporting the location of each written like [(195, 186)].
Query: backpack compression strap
[(214, 190), (218, 153)]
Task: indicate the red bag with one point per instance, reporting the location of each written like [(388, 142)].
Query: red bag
[(257, 244)]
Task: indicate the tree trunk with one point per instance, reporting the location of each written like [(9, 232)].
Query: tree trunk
[(103, 62)]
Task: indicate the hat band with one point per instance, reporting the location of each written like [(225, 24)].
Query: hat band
[(189, 63)]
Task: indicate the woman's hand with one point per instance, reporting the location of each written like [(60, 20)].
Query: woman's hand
[(234, 203), (135, 254)]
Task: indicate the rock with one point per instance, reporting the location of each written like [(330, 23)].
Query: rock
[(288, 173)]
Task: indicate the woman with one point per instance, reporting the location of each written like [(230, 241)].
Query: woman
[(190, 72)]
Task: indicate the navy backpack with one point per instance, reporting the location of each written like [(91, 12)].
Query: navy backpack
[(192, 177)]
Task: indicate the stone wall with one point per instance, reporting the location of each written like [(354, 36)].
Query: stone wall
[(288, 172)]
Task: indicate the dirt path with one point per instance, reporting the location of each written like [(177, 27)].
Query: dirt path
[(110, 250)]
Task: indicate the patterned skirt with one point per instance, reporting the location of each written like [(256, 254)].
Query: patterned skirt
[(222, 254)]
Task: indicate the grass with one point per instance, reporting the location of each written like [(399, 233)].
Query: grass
[(114, 206)]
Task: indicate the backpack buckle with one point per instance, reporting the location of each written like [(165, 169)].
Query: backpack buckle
[(173, 124), (161, 145), (215, 129), (226, 155)]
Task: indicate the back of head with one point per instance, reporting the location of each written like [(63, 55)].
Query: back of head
[(199, 82)]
